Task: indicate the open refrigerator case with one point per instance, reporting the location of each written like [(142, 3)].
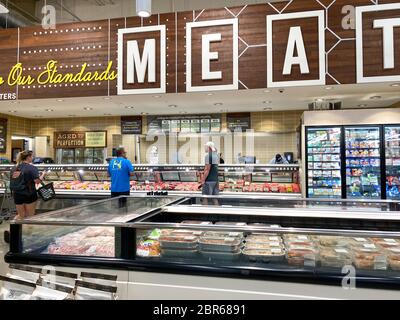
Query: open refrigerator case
[(94, 180), (295, 240), (392, 153)]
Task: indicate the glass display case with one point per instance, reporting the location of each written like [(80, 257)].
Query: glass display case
[(255, 179), (392, 153), (294, 240)]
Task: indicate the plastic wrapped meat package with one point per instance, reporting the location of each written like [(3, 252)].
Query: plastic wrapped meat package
[(300, 250), (90, 241), (335, 257), (368, 257), (386, 243), (393, 258)]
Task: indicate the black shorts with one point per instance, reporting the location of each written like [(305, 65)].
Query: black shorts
[(20, 199)]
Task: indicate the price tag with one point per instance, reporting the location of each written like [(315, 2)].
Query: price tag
[(360, 239), (274, 238), (369, 246), (233, 234), (189, 238), (341, 251), (302, 237), (276, 250), (142, 253), (229, 239), (390, 240), (274, 244)]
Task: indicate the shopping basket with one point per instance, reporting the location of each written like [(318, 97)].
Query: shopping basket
[(46, 191)]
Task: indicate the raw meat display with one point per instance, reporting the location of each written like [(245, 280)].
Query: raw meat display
[(90, 241)]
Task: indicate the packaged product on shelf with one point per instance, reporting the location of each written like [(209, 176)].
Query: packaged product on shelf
[(335, 256), (386, 242), (368, 257), (393, 258), (223, 234), (15, 289), (228, 244), (92, 291), (148, 248), (302, 255), (263, 237), (179, 241)]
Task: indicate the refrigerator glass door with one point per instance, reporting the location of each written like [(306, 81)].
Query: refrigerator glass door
[(324, 162), (363, 168), (392, 145)]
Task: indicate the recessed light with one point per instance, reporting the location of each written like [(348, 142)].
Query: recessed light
[(210, 94), (172, 106), (156, 96), (72, 115), (129, 107), (60, 100), (88, 108), (267, 102), (49, 110), (107, 98), (267, 91), (328, 88), (218, 104), (267, 108), (143, 113), (183, 112), (375, 97), (15, 102), (319, 100), (362, 105), (12, 111), (38, 116), (107, 114), (395, 85)]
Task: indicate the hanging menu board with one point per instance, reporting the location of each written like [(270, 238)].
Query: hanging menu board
[(131, 125), (3, 135), (238, 121), (184, 124), (205, 125)]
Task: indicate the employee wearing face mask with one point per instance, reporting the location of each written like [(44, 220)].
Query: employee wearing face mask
[(278, 159)]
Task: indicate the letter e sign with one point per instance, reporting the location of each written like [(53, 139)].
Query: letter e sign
[(142, 60), (295, 53), (212, 55)]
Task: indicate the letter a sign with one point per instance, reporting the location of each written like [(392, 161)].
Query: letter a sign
[(141, 60)]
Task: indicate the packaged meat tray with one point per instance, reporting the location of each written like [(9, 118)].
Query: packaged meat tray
[(386, 242), (221, 256), (263, 245), (179, 253), (178, 242), (302, 256), (369, 258), (220, 244), (393, 258), (330, 241), (263, 237), (335, 257), (181, 232), (357, 242), (267, 255), (223, 234), (299, 240)]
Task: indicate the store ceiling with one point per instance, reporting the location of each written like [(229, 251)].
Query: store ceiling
[(352, 96)]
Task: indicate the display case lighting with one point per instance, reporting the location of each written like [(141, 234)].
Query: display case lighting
[(3, 9)]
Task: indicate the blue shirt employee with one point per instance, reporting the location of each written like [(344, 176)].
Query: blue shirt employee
[(120, 169)]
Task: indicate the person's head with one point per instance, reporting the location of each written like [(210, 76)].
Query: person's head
[(278, 158), (210, 147), (25, 156), (121, 152)]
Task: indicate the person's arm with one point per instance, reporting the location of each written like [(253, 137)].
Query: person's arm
[(206, 172), (272, 161), (109, 169), (37, 178), (130, 168), (285, 161)]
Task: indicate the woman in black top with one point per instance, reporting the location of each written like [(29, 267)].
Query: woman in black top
[(25, 202)]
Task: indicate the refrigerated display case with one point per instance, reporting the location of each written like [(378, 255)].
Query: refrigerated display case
[(363, 167), (295, 241), (324, 162), (93, 179), (392, 154)]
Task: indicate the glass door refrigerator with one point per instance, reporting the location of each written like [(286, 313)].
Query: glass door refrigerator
[(363, 167), (324, 162), (392, 155)]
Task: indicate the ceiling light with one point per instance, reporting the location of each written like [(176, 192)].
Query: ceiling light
[(224, 110), (72, 115), (143, 8), (267, 91), (319, 100), (218, 104), (182, 112), (395, 85), (266, 102), (60, 100), (38, 116), (49, 110), (375, 97), (172, 106), (143, 113), (267, 108), (3, 9), (156, 96), (107, 98), (12, 111), (88, 108), (129, 107), (210, 94), (328, 88), (362, 105)]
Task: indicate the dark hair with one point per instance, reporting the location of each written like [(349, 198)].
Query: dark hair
[(278, 157), (120, 151)]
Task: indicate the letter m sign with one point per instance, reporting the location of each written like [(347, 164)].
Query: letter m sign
[(142, 60)]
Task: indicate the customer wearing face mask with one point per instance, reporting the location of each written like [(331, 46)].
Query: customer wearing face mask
[(278, 159)]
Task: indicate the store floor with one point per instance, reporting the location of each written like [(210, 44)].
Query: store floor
[(3, 248)]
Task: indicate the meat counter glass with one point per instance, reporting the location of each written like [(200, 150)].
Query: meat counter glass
[(291, 240), (93, 179)]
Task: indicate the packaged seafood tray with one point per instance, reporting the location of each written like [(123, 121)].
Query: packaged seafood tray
[(227, 244), (179, 242), (369, 258), (302, 256), (335, 257), (196, 222), (267, 255), (302, 240), (221, 256), (223, 234), (393, 258), (179, 253)]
